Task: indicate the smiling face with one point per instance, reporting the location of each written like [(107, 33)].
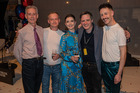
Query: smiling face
[(86, 22), (70, 23), (53, 20), (106, 15), (32, 16)]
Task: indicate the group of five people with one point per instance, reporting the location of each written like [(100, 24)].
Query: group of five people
[(72, 58)]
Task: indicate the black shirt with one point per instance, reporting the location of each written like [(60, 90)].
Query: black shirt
[(87, 41)]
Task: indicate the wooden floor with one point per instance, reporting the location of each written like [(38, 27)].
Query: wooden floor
[(130, 82)]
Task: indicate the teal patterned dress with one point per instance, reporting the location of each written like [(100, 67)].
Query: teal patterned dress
[(71, 78)]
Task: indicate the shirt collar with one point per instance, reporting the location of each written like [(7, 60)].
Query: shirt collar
[(32, 26), (72, 32)]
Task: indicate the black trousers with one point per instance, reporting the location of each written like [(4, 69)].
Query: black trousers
[(92, 78), (32, 71)]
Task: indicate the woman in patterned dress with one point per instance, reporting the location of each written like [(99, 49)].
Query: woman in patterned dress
[(71, 65)]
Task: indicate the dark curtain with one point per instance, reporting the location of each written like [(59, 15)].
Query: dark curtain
[(3, 6)]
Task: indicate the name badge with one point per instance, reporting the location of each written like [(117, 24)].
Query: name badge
[(85, 51)]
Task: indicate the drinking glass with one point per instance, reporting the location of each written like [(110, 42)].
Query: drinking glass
[(54, 51)]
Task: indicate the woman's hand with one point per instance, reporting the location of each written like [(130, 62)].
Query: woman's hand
[(75, 59)]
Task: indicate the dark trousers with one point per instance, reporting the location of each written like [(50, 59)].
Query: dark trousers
[(92, 78), (32, 71)]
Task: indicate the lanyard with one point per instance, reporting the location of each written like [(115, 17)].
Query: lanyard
[(87, 41)]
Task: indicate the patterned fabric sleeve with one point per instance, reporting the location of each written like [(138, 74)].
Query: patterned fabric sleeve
[(65, 53)]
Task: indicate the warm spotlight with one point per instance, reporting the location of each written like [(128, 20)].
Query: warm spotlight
[(108, 1), (67, 2)]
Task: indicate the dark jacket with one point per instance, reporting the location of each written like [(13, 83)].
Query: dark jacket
[(98, 37)]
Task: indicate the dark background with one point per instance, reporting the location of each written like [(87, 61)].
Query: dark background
[(127, 14)]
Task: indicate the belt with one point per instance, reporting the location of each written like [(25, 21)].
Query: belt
[(89, 63), (111, 63), (38, 58), (51, 65)]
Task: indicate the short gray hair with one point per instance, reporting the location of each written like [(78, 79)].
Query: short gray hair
[(31, 6), (53, 13)]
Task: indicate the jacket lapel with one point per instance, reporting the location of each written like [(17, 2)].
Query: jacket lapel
[(95, 39)]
